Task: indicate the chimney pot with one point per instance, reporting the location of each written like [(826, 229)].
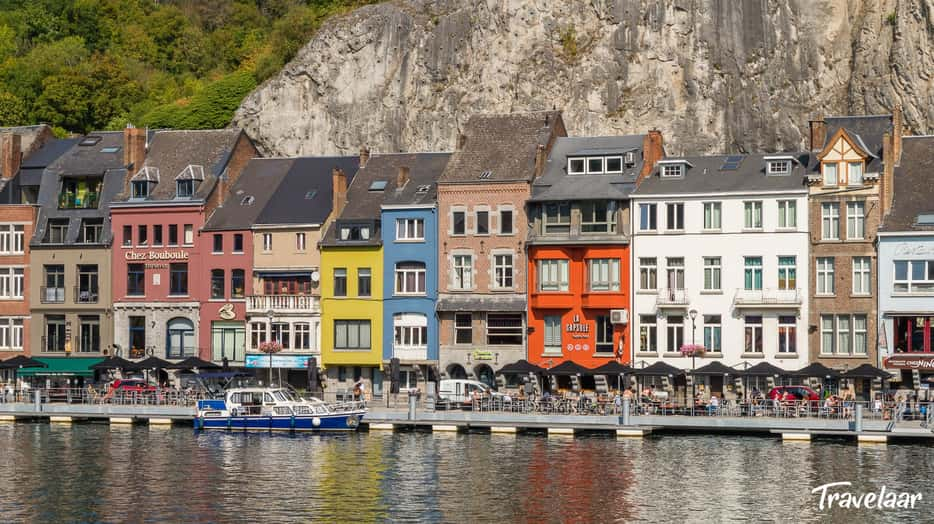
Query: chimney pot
[(11, 154), (338, 191), (818, 133), (653, 150)]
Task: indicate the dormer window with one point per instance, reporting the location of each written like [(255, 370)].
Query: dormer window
[(672, 170), (184, 188), (186, 181), (614, 164), (140, 189), (594, 165), (829, 170), (355, 232), (855, 173), (779, 167), (575, 166), (143, 182)]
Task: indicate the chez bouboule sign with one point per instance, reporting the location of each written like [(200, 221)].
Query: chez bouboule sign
[(156, 255), (909, 362)]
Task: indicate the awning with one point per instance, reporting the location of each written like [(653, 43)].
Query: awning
[(62, 367), (472, 302), (267, 273)]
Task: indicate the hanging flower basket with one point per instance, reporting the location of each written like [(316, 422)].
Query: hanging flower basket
[(270, 348), (693, 350)]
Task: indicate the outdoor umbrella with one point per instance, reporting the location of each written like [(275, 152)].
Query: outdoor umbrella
[(764, 369), (613, 368), (658, 369), (153, 363), (20, 361), (716, 368), (191, 363), (866, 371), (568, 368), (522, 367), (816, 370), (115, 363)]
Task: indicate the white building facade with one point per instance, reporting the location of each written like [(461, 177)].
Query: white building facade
[(730, 245)]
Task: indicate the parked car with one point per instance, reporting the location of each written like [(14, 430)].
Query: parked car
[(132, 385), (462, 390), (796, 392)]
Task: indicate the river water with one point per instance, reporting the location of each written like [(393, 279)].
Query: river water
[(95, 473)]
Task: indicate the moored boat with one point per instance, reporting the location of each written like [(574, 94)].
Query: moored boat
[(276, 409)]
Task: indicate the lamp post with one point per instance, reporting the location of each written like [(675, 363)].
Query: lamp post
[(269, 316), (693, 314)]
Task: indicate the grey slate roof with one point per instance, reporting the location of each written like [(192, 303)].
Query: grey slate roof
[(30, 172), (914, 186), (259, 180), (705, 176), (481, 302), (556, 184), (304, 196), (364, 204), (172, 151), (90, 160), (866, 130), (31, 139), (503, 144)]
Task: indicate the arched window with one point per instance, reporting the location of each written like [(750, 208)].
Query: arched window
[(180, 338)]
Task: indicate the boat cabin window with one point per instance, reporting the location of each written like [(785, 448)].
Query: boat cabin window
[(268, 398), (281, 396), (282, 410)]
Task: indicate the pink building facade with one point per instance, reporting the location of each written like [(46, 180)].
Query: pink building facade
[(226, 279)]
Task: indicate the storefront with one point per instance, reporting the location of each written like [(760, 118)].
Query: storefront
[(66, 372), (288, 368)]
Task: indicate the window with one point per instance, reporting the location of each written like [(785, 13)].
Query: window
[(463, 328), (787, 338), (648, 334), (459, 223), (135, 280), (89, 334), (712, 273), (142, 235), (855, 220), (11, 333), (575, 166), (779, 167), (57, 231), (855, 174), (787, 214), (140, 189), (830, 221), (11, 238), (351, 334), (217, 283), (843, 334), (752, 216), (353, 232), (411, 330), (178, 279), (340, 282), (483, 222), (648, 270), (830, 173), (80, 192), (173, 234), (410, 278), (647, 217), (218, 243), (914, 276), (504, 329), (860, 337), (675, 215), (675, 272), (184, 188), (752, 273), (614, 164), (237, 283), (787, 273), (257, 334), (267, 242), (603, 274), (92, 231), (598, 217), (502, 271), (189, 234), (861, 276), (712, 215), (827, 346), (604, 336), (137, 338), (302, 335), (505, 221), (299, 241), (54, 334), (11, 282), (54, 290), (410, 229), (753, 334), (672, 170), (364, 282), (553, 335), (88, 282), (462, 272), (713, 333), (157, 235), (675, 333), (238, 243), (556, 218), (594, 165), (127, 236), (825, 285), (180, 338), (553, 275), (279, 331)]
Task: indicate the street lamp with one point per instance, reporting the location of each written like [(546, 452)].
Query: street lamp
[(269, 316), (693, 314)]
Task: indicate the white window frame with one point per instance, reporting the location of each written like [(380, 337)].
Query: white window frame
[(825, 276), (910, 284), (648, 212), (552, 274), (828, 329), (648, 334), (669, 217), (12, 238), (713, 216), (188, 234), (856, 220), (606, 164), (828, 168), (779, 167), (713, 273), (552, 334), (830, 220), (672, 170), (301, 332), (862, 276), (461, 273), (419, 274), (602, 165), (11, 334), (787, 272), (787, 332), (300, 242), (603, 274), (361, 326), (583, 168), (675, 333), (410, 229), (787, 214), (857, 179), (860, 333), (12, 280), (713, 325), (752, 214), (750, 329), (648, 273), (602, 346), (504, 274), (558, 223), (267, 242), (410, 331)]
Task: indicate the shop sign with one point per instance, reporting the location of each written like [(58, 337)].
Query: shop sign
[(577, 329), (156, 255), (278, 361), (910, 362), (482, 355), (226, 312), (914, 249)]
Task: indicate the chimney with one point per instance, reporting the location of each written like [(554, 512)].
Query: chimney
[(134, 148), (887, 190), (818, 133), (897, 132), (461, 141), (338, 191), (364, 156), (11, 155), (402, 177), (653, 150), (539, 160)]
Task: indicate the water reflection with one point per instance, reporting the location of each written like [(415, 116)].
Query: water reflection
[(103, 474)]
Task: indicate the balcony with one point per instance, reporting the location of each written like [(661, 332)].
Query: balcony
[(672, 299), (86, 295), (767, 298), (51, 295), (284, 304)]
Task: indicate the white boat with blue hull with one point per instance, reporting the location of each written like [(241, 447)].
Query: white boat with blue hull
[(276, 409)]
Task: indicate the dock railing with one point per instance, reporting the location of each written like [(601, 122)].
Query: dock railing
[(94, 396)]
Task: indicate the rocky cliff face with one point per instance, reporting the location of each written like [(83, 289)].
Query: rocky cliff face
[(713, 75)]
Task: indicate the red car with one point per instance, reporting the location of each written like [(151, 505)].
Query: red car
[(132, 385), (796, 393)]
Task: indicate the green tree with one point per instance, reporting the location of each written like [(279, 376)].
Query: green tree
[(12, 111)]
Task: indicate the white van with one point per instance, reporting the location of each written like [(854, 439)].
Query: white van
[(461, 390)]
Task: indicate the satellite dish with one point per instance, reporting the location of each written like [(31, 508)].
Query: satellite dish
[(315, 276)]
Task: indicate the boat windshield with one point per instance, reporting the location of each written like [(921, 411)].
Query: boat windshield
[(283, 396)]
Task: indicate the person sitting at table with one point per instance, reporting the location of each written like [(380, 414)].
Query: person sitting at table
[(714, 405), (628, 394)]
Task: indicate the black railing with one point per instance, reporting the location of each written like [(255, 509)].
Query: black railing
[(51, 295), (86, 295)]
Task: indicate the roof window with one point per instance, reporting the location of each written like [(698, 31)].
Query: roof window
[(926, 219), (90, 140), (247, 200), (378, 185), (732, 163)]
